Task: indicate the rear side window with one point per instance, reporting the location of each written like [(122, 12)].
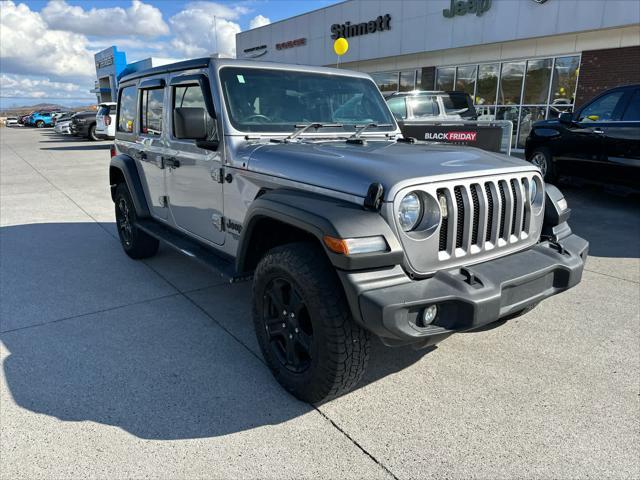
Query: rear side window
[(151, 110), (127, 109), (422, 106), (104, 110), (632, 113), (458, 104)]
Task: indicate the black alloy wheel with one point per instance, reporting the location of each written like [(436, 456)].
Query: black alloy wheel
[(123, 220), (288, 325), (135, 242)]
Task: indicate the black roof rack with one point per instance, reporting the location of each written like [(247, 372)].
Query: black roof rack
[(172, 67)]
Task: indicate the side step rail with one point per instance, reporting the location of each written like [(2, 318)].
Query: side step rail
[(208, 257)]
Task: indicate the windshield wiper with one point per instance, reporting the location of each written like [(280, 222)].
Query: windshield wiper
[(362, 128), (355, 138), (300, 129)]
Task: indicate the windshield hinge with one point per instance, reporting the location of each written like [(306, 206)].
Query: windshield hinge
[(218, 175)]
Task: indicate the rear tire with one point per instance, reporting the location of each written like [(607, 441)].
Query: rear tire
[(136, 243), (541, 158), (304, 326), (92, 133), (40, 124)]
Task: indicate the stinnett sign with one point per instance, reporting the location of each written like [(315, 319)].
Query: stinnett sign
[(347, 30)]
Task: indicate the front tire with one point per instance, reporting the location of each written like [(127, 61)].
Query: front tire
[(541, 158), (40, 124), (304, 326), (136, 243)]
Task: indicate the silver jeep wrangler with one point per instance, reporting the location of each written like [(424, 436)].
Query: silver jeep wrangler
[(299, 177)]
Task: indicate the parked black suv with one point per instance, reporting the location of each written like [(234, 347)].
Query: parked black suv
[(83, 124), (600, 141)]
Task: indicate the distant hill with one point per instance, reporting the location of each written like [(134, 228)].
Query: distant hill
[(15, 111)]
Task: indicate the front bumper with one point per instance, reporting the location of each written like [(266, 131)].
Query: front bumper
[(390, 304)]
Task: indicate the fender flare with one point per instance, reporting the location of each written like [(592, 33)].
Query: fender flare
[(127, 166), (318, 216)]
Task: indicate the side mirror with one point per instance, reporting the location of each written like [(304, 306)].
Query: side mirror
[(190, 123), (566, 117)]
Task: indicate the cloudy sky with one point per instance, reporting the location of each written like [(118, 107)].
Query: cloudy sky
[(47, 46)]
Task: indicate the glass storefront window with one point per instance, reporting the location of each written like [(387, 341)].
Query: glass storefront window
[(521, 91), (565, 78), (509, 113), (511, 83), (386, 81), (444, 80), (466, 79), (487, 84), (528, 116), (407, 80), (536, 83)]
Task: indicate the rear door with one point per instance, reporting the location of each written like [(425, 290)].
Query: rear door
[(622, 143), (194, 175)]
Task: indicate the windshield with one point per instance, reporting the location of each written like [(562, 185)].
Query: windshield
[(265, 100)]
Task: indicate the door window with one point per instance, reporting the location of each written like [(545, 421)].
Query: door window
[(632, 114), (192, 96), (601, 110), (398, 107), (127, 109), (151, 111)]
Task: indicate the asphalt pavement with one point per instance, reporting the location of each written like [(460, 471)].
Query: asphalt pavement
[(114, 368)]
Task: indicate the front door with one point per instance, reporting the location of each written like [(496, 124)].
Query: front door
[(193, 175), (582, 150)]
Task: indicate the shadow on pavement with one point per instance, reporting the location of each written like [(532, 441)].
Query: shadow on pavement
[(609, 222), (159, 369), (95, 146)]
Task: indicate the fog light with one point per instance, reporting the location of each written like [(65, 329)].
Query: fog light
[(429, 314)]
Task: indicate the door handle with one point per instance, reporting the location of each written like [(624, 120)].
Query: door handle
[(599, 131)]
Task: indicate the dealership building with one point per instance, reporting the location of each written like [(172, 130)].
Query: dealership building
[(520, 60)]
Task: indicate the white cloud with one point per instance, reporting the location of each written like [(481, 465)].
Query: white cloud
[(140, 19), (24, 87), (203, 28), (28, 46), (259, 21)]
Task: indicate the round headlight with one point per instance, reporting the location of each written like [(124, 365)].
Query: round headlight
[(410, 211)]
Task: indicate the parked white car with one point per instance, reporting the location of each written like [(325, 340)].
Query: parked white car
[(106, 121), (63, 127), (13, 121)]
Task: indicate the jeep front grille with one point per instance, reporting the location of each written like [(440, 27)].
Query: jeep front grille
[(484, 215)]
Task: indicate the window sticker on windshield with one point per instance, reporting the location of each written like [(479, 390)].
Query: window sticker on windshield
[(240, 78)]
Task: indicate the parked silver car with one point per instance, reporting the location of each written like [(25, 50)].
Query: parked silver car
[(299, 177)]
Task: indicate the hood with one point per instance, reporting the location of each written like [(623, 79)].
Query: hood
[(352, 168)]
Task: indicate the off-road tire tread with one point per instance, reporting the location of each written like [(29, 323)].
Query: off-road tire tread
[(347, 344), (143, 245)]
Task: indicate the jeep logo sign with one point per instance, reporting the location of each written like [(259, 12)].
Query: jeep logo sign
[(462, 7)]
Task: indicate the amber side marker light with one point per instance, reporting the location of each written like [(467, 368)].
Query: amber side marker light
[(355, 246)]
